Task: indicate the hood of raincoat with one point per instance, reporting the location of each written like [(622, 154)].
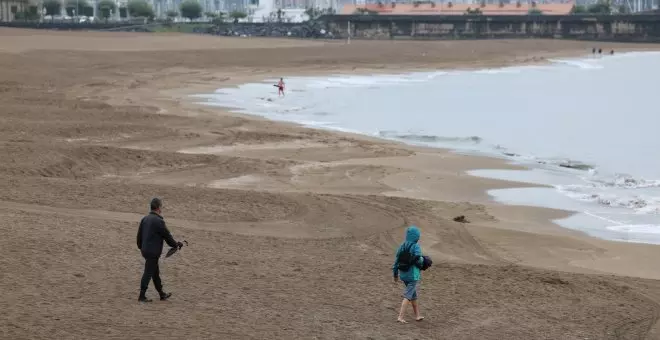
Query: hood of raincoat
[(412, 234)]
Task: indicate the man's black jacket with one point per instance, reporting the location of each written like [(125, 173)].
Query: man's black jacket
[(151, 234)]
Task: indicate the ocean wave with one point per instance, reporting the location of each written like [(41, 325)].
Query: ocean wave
[(626, 181), (576, 165), (314, 123), (563, 163), (413, 137), (591, 192), (586, 64), (364, 81), (633, 54), (636, 228), (508, 70), (608, 190), (434, 75)]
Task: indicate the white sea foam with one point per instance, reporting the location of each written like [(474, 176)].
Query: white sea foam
[(592, 193), (313, 123), (433, 75), (636, 228), (363, 81), (509, 70), (587, 64), (343, 129)]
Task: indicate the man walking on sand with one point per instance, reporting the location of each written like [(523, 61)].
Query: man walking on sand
[(150, 236), (406, 267)]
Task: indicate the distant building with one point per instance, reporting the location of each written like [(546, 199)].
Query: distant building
[(455, 8), (235, 5), (290, 10), (9, 8)]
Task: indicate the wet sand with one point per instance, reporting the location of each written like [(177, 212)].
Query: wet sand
[(292, 231)]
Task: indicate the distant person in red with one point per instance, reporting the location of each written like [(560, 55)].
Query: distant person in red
[(280, 87)]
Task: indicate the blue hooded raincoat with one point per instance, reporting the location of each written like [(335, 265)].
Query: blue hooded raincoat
[(412, 274)]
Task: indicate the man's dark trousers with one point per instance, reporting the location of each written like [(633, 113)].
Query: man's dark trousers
[(151, 271)]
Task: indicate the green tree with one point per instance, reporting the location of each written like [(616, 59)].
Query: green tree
[(312, 13), (237, 15), (315, 13), (623, 9), (78, 7), (190, 9), (32, 13), (172, 14), (578, 9), (140, 8), (602, 7), (106, 8), (53, 7), (535, 11), (29, 13), (365, 11), (476, 11), (219, 18), (88, 11), (211, 15)]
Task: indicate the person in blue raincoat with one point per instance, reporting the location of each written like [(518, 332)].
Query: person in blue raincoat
[(406, 268)]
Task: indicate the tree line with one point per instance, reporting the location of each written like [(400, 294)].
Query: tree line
[(601, 7), (190, 9)]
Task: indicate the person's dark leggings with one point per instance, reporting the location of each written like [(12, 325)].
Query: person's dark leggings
[(151, 271)]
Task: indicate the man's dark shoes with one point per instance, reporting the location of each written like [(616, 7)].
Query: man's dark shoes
[(144, 299), (165, 296)]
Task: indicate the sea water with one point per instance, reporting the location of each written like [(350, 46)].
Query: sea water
[(588, 128)]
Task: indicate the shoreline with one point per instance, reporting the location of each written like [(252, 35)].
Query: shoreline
[(544, 219), (537, 221), (500, 162)]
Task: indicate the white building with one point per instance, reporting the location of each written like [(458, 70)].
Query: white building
[(292, 10)]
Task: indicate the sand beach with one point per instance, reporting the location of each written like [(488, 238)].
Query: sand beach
[(292, 231)]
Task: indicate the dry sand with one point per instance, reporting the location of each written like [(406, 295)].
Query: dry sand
[(292, 231)]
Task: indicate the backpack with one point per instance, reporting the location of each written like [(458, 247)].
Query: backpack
[(406, 258)]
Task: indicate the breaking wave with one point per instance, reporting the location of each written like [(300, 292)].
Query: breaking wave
[(585, 64), (627, 181), (619, 191), (636, 228), (423, 138)]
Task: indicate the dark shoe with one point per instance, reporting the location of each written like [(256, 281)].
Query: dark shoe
[(144, 299), (165, 296)]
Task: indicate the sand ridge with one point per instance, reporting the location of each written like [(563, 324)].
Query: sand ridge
[(291, 230)]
